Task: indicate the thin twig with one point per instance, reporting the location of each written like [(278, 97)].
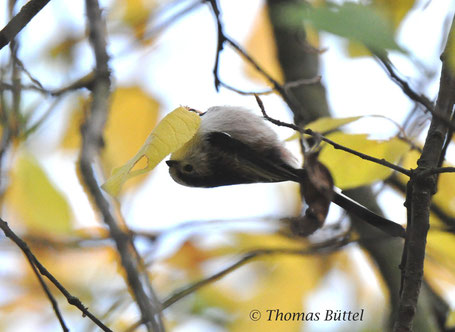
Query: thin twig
[(324, 247), (6, 131), (34, 262), (172, 19), (286, 86), (18, 22), (49, 295), (220, 43), (337, 146), (302, 81), (51, 298), (83, 82), (44, 117), (288, 98), (153, 32), (436, 170), (435, 208), (223, 38), (10, 87), (447, 142), (91, 143), (245, 93), (21, 65), (382, 161), (405, 87)]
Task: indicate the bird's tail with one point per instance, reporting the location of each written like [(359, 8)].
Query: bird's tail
[(353, 207)]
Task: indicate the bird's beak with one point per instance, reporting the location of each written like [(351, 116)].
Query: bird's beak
[(172, 163)]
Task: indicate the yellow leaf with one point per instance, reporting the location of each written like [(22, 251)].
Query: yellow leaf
[(394, 10), (349, 171), (35, 200), (450, 322), (190, 258), (326, 124), (450, 52), (441, 245), (132, 115), (72, 138), (177, 128), (356, 50), (65, 48), (445, 197), (135, 14), (439, 276), (261, 45), (284, 280)]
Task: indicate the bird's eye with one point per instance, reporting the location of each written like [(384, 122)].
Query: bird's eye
[(188, 168)]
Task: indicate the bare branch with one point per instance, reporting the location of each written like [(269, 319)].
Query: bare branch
[(51, 298), (245, 93), (325, 247), (48, 294), (242, 261), (36, 264), (21, 65), (436, 170), (405, 87), (286, 86), (91, 143), (173, 18), (223, 38), (421, 189), (337, 146), (19, 21), (220, 42), (438, 211), (83, 82)]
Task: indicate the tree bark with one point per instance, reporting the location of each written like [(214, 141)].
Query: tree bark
[(299, 60)]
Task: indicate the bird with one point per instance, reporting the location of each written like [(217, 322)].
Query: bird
[(235, 146)]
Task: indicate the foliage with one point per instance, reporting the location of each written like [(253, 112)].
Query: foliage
[(236, 267)]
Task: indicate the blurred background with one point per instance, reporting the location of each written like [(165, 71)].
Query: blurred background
[(162, 56)]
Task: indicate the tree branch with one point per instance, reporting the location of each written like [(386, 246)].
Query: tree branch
[(18, 22), (337, 146), (37, 265), (91, 143), (405, 87), (423, 187), (324, 247), (439, 212), (286, 86), (328, 246), (223, 38), (436, 170)]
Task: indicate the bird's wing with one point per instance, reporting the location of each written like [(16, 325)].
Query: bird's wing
[(256, 166)]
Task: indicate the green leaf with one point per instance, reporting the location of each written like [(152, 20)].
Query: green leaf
[(177, 128), (353, 21)]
